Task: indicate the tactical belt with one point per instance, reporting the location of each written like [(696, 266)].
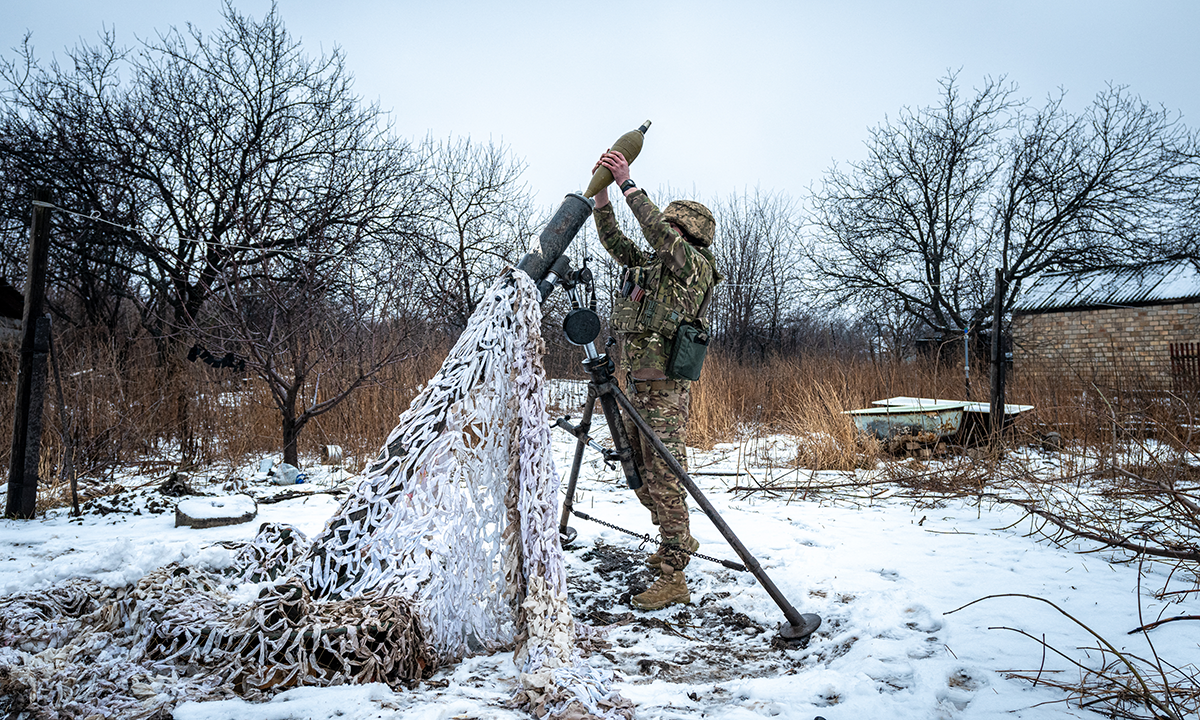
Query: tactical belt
[(647, 385)]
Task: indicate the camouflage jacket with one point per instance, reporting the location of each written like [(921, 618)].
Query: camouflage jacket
[(672, 281)]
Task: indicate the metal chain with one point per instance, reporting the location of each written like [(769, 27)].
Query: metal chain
[(646, 538)]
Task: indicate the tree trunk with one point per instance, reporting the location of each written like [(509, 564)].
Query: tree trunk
[(183, 424), (998, 358), (291, 431)]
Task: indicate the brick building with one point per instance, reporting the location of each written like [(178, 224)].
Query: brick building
[(1137, 328)]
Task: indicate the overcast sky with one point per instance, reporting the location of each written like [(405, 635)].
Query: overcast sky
[(742, 95)]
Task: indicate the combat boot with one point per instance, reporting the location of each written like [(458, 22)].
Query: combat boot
[(657, 559), (670, 588)]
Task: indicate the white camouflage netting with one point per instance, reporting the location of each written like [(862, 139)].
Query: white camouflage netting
[(448, 546)]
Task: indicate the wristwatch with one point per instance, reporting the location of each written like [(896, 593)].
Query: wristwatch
[(627, 185)]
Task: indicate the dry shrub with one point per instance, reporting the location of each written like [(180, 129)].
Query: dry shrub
[(1104, 419), (805, 396), (723, 401), (117, 404), (128, 402), (361, 424), (126, 405), (238, 418)]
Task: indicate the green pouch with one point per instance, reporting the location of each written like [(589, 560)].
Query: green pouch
[(687, 353), (659, 318)]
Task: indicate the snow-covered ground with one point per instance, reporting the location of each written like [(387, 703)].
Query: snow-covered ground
[(882, 572)]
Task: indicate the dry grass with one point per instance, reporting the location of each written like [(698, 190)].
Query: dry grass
[(126, 408), (805, 396)]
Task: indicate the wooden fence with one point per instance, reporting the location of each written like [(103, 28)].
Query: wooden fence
[(1185, 366)]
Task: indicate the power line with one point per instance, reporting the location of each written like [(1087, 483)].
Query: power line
[(95, 216)]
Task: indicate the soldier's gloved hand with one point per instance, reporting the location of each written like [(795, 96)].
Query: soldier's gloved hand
[(617, 165)]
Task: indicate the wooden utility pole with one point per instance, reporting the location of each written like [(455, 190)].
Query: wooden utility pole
[(26, 446), (967, 361), (998, 358)]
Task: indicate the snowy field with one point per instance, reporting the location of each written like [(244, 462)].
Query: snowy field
[(881, 571)]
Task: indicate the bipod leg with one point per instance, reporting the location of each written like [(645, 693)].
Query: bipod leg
[(600, 367), (566, 534), (616, 428), (798, 626)]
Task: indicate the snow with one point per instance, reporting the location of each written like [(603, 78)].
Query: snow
[(209, 508), (886, 574), (119, 548), (1153, 283)]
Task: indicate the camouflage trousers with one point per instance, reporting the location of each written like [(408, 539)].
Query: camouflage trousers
[(663, 404)]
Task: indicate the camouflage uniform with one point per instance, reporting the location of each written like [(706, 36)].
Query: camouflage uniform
[(671, 283)]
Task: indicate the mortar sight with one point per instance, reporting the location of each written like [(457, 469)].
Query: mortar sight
[(540, 262)]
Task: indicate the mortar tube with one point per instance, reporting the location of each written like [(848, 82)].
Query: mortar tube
[(556, 236)]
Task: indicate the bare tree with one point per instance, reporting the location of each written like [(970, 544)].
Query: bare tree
[(950, 192), (200, 157), (314, 326), (477, 219), (1100, 188), (905, 223), (757, 250), (234, 146), (48, 130)]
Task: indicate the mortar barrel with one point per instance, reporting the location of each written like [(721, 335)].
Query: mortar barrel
[(557, 236)]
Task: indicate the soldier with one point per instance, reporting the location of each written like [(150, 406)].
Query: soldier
[(660, 290)]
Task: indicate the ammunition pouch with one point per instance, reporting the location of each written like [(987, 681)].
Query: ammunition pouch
[(688, 351), (659, 318), (625, 314), (638, 310)]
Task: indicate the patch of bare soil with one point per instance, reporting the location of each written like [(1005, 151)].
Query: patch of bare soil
[(705, 642)]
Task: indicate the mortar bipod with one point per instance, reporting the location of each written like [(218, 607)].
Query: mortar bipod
[(582, 326), (582, 330)]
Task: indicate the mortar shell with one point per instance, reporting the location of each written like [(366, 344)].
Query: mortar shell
[(629, 145)]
